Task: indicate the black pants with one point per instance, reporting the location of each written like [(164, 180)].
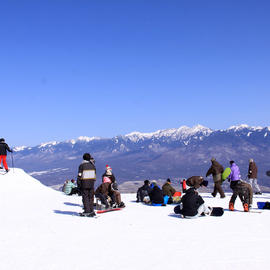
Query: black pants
[(88, 198), (102, 198)]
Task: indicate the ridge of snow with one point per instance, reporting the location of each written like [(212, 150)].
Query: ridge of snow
[(244, 126), (19, 148), (88, 139), (48, 144), (182, 132)]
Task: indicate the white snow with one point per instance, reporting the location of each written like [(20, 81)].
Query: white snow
[(87, 139), (175, 133), (46, 144), (244, 126), (40, 230)]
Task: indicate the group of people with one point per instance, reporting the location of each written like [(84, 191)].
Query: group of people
[(151, 192), (107, 192), (239, 187)]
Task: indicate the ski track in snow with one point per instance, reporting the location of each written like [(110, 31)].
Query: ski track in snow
[(40, 229)]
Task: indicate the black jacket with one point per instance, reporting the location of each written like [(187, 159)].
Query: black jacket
[(191, 202), (86, 174), (4, 148), (143, 192), (156, 195)]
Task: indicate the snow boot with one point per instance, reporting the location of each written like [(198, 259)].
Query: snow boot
[(246, 209), (121, 205), (231, 206)]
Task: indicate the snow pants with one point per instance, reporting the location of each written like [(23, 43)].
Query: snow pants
[(242, 190), (254, 181), (88, 198), (4, 158), (218, 189)]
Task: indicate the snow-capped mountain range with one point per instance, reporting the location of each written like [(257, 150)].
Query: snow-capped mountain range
[(179, 152)]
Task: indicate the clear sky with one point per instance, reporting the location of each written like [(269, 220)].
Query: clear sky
[(72, 68)]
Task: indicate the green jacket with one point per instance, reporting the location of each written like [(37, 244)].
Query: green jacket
[(168, 190), (68, 187)]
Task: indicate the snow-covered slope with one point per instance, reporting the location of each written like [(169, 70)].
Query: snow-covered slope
[(40, 230)]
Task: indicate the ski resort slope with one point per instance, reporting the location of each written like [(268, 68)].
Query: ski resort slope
[(40, 229)]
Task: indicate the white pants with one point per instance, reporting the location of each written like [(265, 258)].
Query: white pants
[(254, 181), (202, 209)]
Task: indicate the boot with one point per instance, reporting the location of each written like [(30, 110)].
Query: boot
[(246, 209), (231, 206)]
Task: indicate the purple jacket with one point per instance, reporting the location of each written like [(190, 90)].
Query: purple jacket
[(235, 174)]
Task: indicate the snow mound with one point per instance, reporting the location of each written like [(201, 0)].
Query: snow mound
[(40, 229)]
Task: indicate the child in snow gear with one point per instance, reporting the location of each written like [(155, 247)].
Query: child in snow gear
[(216, 170), (156, 194), (143, 191), (114, 192), (86, 181), (192, 204), (3, 153), (168, 190), (103, 191), (239, 188), (252, 176)]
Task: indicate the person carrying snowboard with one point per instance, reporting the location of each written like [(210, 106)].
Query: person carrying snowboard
[(86, 182), (3, 153), (216, 170), (239, 188), (252, 176), (192, 204)]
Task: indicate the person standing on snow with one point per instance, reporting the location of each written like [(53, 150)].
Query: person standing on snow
[(86, 182), (3, 153), (239, 188), (252, 176), (216, 170)]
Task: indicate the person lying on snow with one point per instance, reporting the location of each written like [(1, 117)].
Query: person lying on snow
[(143, 191), (114, 192), (239, 188), (192, 204)]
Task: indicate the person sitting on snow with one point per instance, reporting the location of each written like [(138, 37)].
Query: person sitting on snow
[(168, 190), (143, 191), (239, 188), (70, 188), (114, 192), (192, 204), (156, 194), (103, 191)]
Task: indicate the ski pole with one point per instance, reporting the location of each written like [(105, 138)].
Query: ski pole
[(12, 161)]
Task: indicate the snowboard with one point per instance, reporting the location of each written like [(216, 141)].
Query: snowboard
[(108, 210), (226, 173), (217, 211), (268, 173), (263, 205)]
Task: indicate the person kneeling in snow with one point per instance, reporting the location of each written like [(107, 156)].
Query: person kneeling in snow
[(192, 204)]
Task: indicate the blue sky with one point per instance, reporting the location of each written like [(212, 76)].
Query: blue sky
[(103, 68)]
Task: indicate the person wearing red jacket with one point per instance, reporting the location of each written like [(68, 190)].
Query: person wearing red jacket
[(3, 153)]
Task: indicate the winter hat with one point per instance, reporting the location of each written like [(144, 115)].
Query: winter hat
[(146, 182), (87, 156), (2, 140), (154, 183), (169, 180), (231, 162), (213, 159), (251, 160), (108, 170)]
